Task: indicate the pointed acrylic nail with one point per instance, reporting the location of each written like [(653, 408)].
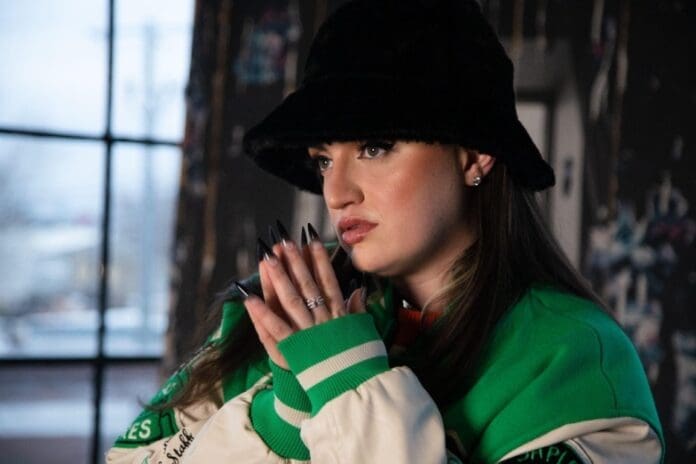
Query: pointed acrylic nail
[(262, 250), (242, 289), (272, 235), (313, 235), (303, 237), (284, 236)]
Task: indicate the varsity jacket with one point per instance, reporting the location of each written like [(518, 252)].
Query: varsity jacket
[(559, 382)]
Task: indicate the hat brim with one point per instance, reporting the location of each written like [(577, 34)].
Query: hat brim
[(333, 110)]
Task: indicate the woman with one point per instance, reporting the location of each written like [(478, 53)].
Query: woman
[(470, 339)]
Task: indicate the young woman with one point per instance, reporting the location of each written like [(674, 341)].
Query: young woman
[(446, 326)]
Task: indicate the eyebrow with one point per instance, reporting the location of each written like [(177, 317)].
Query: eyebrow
[(318, 146)]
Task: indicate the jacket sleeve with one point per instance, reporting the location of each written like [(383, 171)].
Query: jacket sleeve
[(165, 434), (340, 403), (362, 411), (161, 435), (619, 440), (358, 410)]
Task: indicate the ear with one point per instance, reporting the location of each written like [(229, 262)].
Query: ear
[(474, 164)]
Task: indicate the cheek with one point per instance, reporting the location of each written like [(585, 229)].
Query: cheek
[(424, 201)]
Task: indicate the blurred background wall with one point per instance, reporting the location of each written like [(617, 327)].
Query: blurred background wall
[(126, 204)]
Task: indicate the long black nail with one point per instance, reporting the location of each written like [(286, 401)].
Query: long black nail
[(242, 289), (272, 235), (313, 235), (303, 237), (262, 250), (282, 231)]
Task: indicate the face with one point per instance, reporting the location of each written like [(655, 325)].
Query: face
[(397, 208)]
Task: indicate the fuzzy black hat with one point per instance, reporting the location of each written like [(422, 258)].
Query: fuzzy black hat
[(429, 71)]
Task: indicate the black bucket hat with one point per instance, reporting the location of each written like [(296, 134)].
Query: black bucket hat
[(429, 71)]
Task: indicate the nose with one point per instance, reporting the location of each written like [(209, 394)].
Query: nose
[(342, 185)]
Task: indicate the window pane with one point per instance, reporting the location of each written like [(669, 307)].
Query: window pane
[(54, 61), (45, 414), (50, 221), (146, 182), (126, 389), (152, 54)]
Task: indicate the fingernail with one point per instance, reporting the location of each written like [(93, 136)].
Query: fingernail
[(242, 289), (284, 236), (263, 251), (312, 232), (303, 237), (272, 235)]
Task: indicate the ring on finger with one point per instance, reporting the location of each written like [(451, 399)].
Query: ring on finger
[(313, 303)]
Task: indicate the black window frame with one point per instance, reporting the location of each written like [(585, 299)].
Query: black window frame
[(100, 361)]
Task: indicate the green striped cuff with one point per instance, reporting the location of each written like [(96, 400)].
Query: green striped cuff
[(334, 357), (288, 391), (277, 414)]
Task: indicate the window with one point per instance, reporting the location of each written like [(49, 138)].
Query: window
[(92, 113)]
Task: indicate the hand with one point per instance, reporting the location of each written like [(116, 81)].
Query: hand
[(289, 277)]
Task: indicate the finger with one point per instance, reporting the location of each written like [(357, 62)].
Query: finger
[(273, 327), (306, 253), (290, 299), (304, 281), (279, 250), (269, 294), (355, 303), (326, 278), (268, 341), (280, 253), (267, 289)]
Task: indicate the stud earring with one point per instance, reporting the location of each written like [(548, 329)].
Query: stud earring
[(477, 181)]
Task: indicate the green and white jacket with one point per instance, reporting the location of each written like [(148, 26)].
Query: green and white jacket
[(559, 383)]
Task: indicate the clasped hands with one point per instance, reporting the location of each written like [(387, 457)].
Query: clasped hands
[(300, 290)]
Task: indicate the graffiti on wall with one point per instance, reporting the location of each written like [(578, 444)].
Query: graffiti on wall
[(643, 264), (265, 45)]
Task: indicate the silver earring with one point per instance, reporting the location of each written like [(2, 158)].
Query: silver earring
[(477, 181)]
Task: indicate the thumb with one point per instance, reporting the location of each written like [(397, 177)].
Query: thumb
[(356, 302)]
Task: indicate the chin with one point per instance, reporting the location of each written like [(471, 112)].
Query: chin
[(358, 259), (370, 263)]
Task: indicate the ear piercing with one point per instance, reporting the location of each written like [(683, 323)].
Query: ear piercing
[(477, 181)]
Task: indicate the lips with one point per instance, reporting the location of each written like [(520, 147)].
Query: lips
[(353, 230)]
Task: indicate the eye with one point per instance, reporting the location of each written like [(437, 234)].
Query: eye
[(322, 163), (375, 149)]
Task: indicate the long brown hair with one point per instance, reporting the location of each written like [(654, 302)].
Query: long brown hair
[(513, 250)]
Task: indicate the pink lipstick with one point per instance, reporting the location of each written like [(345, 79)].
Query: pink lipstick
[(353, 230)]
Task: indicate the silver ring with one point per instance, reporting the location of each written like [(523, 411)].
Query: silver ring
[(313, 303)]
